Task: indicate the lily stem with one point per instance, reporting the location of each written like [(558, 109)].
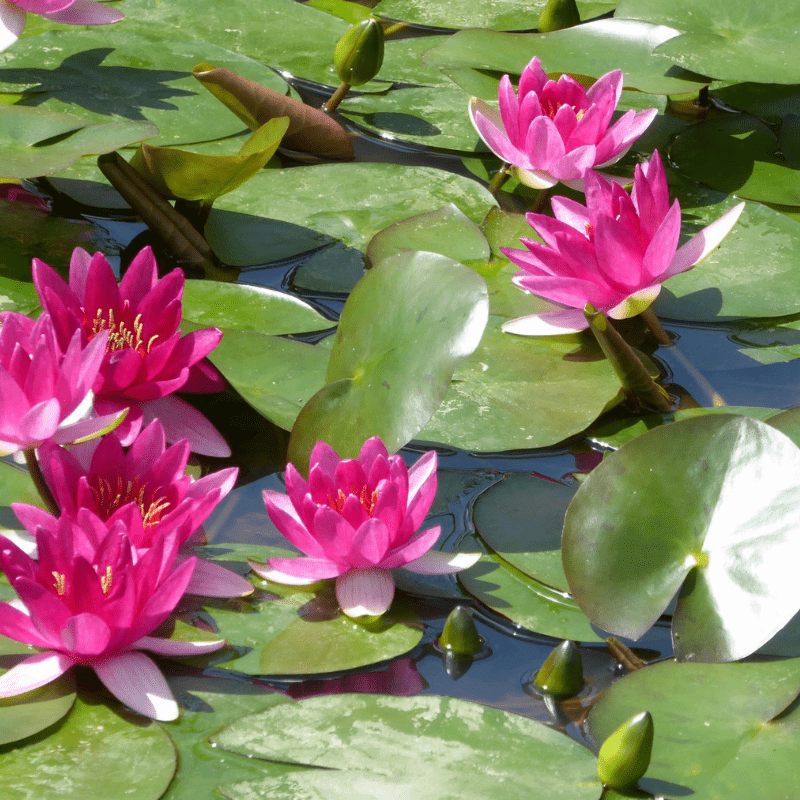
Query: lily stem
[(336, 98), (499, 178), (624, 654), (656, 328), (541, 199), (37, 476)]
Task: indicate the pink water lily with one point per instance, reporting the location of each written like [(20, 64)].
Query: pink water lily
[(147, 359), (92, 600), (70, 12), (145, 488), (614, 253), (557, 130), (356, 520), (45, 392)]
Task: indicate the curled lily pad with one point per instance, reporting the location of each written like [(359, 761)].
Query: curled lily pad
[(703, 507)]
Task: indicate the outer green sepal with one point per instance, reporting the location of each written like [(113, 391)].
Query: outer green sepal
[(460, 636), (557, 15), (359, 53), (625, 755), (562, 672)]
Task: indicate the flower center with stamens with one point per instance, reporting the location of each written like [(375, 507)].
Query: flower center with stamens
[(367, 499), (60, 583), (105, 581), (109, 498), (125, 332)]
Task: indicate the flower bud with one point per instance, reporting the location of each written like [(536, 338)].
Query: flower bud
[(625, 755), (558, 14), (460, 636), (562, 672), (359, 53)]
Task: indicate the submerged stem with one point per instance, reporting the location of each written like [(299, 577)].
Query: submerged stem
[(333, 101), (656, 328)]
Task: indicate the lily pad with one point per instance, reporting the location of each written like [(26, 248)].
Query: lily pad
[(18, 296), (525, 601), (704, 506), (137, 75), (521, 392), (82, 759), (375, 746), (37, 142), (242, 307), (717, 727), (407, 324), (591, 49), (511, 15), (732, 41), (352, 202), (27, 714), (520, 519)]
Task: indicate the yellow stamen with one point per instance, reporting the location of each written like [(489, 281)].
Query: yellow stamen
[(60, 583), (105, 581)]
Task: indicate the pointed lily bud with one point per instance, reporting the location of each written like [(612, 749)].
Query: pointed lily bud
[(460, 636), (359, 53), (625, 755), (562, 672), (558, 14)]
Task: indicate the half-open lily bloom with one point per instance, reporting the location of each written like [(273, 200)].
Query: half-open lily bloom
[(70, 12), (613, 253), (147, 489), (147, 359), (356, 520), (557, 130), (93, 600), (46, 392)]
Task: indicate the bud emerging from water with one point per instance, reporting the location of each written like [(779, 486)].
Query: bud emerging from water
[(557, 15), (562, 672), (460, 636), (625, 755), (359, 53)]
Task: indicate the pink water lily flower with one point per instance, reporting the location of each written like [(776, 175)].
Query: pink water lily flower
[(92, 600), (356, 520), (613, 253), (45, 392), (147, 489), (147, 359), (69, 12), (557, 130)]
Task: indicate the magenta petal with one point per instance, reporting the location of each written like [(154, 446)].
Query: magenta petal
[(412, 549), (86, 12), (297, 570), (183, 421), (35, 671), (213, 580), (548, 323), (365, 592), (133, 678), (436, 563), (172, 647)]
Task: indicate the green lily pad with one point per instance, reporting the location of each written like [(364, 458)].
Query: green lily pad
[(15, 487), (349, 12), (725, 285), (521, 392), (82, 759), (511, 15), (276, 376), (738, 154), (352, 202), (241, 307), (407, 324), (520, 519), (18, 296), (732, 41), (137, 75), (435, 117), (376, 746), (29, 713), (767, 102), (717, 729), (526, 601), (704, 506), (591, 49), (35, 141)]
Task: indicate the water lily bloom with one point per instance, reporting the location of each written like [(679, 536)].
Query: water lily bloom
[(613, 253), (147, 359), (70, 12), (356, 520), (557, 130), (45, 392), (145, 488), (93, 600)]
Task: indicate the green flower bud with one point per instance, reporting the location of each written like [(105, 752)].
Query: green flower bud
[(558, 14), (562, 672), (625, 755), (460, 636), (359, 53)]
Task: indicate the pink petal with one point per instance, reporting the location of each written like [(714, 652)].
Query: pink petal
[(622, 134), (605, 94), (140, 277), (172, 647), (213, 580), (704, 242), (12, 23), (296, 571), (365, 592), (489, 126), (435, 563), (284, 516), (133, 678), (412, 549), (543, 143), (535, 178), (635, 303), (183, 421), (662, 247), (35, 671), (86, 12), (548, 323)]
